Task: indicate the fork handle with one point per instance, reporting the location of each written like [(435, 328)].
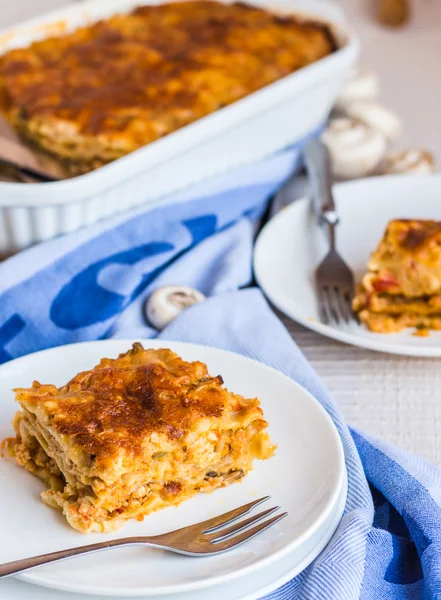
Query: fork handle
[(18, 566), (318, 167)]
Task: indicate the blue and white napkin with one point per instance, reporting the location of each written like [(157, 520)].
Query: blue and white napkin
[(92, 285)]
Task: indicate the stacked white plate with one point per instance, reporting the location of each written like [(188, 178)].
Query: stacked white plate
[(306, 478)]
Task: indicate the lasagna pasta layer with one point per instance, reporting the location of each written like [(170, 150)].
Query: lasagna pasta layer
[(396, 305), (386, 323), (135, 434)]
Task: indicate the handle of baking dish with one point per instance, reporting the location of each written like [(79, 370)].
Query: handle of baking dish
[(318, 167)]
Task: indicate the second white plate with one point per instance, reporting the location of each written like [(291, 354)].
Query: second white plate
[(291, 246), (305, 477)]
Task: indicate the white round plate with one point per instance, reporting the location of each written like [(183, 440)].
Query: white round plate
[(250, 587), (291, 246), (305, 478)]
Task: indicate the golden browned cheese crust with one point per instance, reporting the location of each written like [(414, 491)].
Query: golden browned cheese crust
[(107, 89), (114, 408), (133, 435), (120, 403)]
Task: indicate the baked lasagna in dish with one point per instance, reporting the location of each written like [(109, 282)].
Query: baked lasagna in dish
[(135, 434), (403, 285), (98, 93)]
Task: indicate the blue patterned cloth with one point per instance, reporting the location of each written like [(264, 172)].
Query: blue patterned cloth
[(92, 285)]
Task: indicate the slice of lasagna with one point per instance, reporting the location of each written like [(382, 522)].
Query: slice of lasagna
[(403, 285), (135, 434)]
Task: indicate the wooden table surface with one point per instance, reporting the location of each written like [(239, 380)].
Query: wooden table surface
[(393, 397)]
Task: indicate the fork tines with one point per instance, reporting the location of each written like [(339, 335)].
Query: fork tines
[(222, 537), (226, 531), (335, 287), (335, 305)]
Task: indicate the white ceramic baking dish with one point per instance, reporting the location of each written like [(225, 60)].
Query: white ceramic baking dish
[(258, 125)]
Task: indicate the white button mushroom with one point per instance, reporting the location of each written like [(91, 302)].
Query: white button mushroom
[(167, 302), (363, 84), (409, 162), (376, 116), (355, 148)]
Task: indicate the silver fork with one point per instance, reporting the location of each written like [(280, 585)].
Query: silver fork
[(334, 279), (202, 539)]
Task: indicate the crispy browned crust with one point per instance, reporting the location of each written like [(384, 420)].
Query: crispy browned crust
[(107, 89), (120, 403)]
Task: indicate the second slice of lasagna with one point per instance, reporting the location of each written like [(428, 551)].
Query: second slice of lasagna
[(403, 285), (133, 435)]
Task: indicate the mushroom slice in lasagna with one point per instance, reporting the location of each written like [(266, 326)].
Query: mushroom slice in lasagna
[(135, 434), (403, 285)]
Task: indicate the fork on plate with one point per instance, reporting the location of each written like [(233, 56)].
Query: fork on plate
[(202, 539), (334, 279)]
